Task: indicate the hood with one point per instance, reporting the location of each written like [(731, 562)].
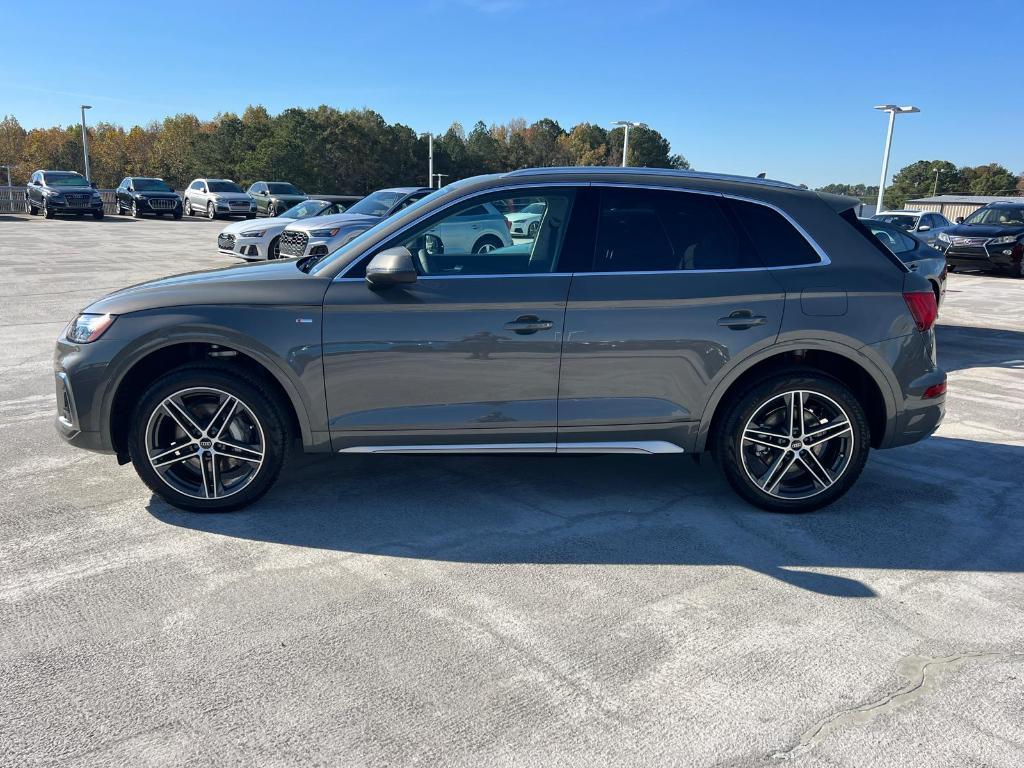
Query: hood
[(245, 225), (74, 190), (262, 283), (520, 216), (983, 230), (335, 220), (152, 195), (231, 196)]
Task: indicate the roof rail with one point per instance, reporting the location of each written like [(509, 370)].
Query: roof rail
[(634, 171)]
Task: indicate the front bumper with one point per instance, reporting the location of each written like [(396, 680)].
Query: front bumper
[(79, 376), (224, 208), (985, 257), (61, 205), (250, 248)]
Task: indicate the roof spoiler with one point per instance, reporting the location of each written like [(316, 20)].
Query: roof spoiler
[(838, 203)]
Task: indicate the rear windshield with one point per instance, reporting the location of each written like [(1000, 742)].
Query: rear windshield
[(901, 220)]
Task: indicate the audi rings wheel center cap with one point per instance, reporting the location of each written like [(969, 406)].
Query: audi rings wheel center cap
[(206, 443), (796, 445)]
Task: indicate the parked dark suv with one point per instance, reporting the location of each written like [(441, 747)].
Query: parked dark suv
[(653, 312), (53, 192), (137, 195), (990, 239)]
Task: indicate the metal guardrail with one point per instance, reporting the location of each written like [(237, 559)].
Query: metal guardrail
[(12, 200)]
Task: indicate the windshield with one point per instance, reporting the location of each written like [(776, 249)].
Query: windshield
[(223, 186), (354, 247), (893, 238), (66, 180), (1000, 215), (904, 221), (307, 209), (282, 188), (377, 204), (151, 185)]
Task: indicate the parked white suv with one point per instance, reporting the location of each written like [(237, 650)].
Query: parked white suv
[(217, 197)]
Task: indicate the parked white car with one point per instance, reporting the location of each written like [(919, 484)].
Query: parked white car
[(526, 223), (258, 240), (217, 197)]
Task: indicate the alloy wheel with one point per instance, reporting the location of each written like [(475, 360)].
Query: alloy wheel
[(205, 443), (209, 211), (797, 444)]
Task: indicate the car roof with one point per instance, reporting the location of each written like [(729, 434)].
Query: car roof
[(73, 173), (618, 172), (902, 212)]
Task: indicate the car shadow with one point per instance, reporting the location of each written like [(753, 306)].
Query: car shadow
[(942, 505), (964, 346)]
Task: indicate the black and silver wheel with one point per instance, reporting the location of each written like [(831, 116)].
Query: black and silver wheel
[(188, 207), (274, 249), (271, 210), (486, 244), (208, 440), (533, 229), (211, 212), (135, 209), (47, 211), (794, 443)]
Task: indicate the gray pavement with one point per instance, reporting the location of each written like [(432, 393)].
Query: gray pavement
[(502, 611)]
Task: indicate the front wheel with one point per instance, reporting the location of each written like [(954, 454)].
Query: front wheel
[(47, 211), (188, 207), (211, 212), (274, 250), (97, 215), (135, 210), (793, 443), (208, 440)]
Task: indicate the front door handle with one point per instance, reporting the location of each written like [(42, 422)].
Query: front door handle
[(742, 319), (525, 324)]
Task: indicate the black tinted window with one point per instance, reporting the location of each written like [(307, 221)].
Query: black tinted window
[(654, 231), (777, 242)]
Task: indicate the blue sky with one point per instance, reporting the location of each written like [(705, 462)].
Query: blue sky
[(742, 87)]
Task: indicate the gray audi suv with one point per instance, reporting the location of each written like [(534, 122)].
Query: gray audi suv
[(652, 312)]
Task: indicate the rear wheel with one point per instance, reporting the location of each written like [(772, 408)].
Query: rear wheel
[(793, 443), (486, 244), (206, 439)]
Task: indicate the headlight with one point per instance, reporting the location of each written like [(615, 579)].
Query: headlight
[(944, 237), (86, 328), (51, 193), (253, 233), (325, 232), (1005, 240)]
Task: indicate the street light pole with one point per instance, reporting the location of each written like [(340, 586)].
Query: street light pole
[(893, 110), (430, 158), (85, 143), (626, 125), (935, 186)]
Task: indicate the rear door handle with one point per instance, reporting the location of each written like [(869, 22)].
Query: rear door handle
[(741, 319), (525, 324)]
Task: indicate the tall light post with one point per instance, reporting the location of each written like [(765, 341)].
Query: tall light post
[(893, 110), (85, 143), (626, 125), (430, 158), (935, 186)]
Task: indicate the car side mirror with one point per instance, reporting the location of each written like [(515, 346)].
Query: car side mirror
[(923, 228), (391, 267), (959, 219)]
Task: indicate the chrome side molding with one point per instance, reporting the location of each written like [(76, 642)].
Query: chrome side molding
[(638, 447)]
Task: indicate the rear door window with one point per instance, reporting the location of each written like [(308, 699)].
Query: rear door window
[(643, 230), (777, 241)]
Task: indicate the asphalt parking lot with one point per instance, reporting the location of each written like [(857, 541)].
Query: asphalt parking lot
[(521, 610)]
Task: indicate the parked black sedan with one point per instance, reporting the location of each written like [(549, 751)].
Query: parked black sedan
[(142, 194), (990, 239)]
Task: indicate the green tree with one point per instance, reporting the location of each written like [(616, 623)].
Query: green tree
[(991, 179), (12, 144), (918, 180)]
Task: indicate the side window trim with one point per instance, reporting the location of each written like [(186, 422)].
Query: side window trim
[(822, 256)]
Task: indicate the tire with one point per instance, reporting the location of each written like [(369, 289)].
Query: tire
[(250, 216), (98, 215), (32, 210), (47, 212), (274, 249), (271, 210), (177, 215), (196, 461), (188, 207), (135, 210), (486, 244), (533, 229), (1017, 270), (211, 212), (753, 442)]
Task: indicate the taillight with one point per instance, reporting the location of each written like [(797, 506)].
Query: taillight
[(934, 391), (508, 225), (923, 307)]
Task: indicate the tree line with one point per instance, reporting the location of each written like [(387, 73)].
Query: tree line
[(322, 150), (922, 178)]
